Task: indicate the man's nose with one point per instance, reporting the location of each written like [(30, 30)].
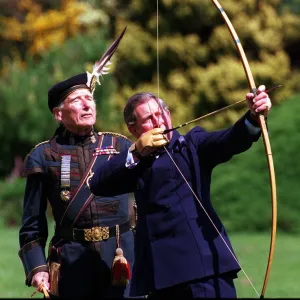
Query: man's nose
[(156, 121), (160, 120), (85, 103)]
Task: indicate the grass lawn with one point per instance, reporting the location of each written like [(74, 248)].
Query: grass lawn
[(251, 249)]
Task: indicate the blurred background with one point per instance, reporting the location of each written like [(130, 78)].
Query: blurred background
[(195, 67)]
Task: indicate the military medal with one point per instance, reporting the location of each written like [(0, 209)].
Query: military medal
[(65, 194), (109, 150)]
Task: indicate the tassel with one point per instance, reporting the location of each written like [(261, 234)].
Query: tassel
[(120, 266)]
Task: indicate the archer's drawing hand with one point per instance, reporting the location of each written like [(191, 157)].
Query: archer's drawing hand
[(151, 141)]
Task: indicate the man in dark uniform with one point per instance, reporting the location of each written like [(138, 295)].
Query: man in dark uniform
[(88, 229), (182, 250)]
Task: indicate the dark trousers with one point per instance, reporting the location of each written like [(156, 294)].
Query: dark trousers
[(86, 268), (211, 287)]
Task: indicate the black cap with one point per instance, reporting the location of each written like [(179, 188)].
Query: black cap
[(58, 93)]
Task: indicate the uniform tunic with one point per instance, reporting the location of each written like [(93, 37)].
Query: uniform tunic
[(85, 266)]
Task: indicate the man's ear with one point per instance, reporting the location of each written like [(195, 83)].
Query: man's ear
[(57, 114)]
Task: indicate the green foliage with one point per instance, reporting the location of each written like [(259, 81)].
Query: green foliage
[(199, 71), (194, 65), (293, 5), (25, 119), (11, 201), (240, 188), (35, 26)]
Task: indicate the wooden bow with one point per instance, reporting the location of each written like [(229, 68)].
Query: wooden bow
[(266, 140)]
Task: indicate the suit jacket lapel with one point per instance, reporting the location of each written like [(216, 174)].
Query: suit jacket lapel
[(187, 150)]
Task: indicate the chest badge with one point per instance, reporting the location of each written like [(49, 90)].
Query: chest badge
[(65, 195)]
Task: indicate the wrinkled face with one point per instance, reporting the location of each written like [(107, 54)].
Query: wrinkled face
[(78, 112), (149, 115)]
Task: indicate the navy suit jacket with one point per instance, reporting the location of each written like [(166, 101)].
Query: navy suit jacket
[(175, 241)]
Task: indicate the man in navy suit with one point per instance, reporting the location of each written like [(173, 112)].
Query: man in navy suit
[(181, 246)]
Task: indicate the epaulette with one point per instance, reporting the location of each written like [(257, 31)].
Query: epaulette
[(45, 142), (115, 134)]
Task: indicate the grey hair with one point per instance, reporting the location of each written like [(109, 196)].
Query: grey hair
[(134, 101), (59, 106)]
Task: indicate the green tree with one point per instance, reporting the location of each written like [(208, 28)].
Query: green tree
[(25, 118), (199, 67), (242, 197), (293, 5), (33, 26)]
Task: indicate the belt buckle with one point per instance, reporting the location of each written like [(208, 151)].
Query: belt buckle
[(96, 234)]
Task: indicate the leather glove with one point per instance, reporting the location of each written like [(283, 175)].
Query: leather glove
[(149, 142), (38, 279)]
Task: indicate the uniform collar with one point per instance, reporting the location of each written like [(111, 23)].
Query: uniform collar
[(74, 139)]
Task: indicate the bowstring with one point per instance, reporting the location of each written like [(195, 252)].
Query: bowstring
[(157, 47), (191, 189)]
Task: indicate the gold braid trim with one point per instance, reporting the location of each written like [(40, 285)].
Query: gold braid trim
[(114, 134), (28, 246), (29, 274), (26, 158)]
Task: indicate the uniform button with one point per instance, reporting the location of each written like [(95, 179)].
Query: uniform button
[(166, 207)]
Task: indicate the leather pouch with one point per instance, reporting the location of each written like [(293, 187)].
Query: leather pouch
[(54, 269)]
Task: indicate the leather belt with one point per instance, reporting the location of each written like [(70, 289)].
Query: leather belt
[(93, 234)]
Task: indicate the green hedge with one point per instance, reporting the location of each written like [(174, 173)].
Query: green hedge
[(23, 93), (11, 201), (241, 189)]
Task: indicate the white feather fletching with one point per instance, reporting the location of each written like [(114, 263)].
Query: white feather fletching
[(101, 66), (99, 69)]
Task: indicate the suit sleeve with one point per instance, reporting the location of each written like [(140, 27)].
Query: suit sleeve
[(219, 146), (113, 177), (34, 230)]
